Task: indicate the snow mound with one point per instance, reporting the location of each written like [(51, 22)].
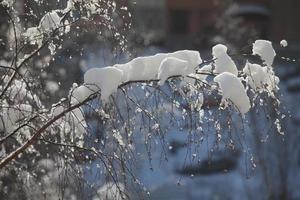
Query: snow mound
[(107, 79), (171, 67), (265, 50), (233, 90), (223, 61)]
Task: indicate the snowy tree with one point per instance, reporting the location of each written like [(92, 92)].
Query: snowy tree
[(100, 124)]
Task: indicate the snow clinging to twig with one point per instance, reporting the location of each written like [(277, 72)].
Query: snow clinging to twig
[(223, 61), (233, 90), (265, 50), (157, 67)]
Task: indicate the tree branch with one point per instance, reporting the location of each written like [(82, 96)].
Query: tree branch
[(39, 132)]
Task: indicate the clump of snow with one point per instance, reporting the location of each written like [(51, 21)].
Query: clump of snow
[(107, 79), (233, 90), (265, 50), (171, 67), (260, 78), (34, 36), (223, 61), (159, 66), (203, 72), (192, 57), (146, 68), (81, 93), (151, 65), (49, 21), (127, 70), (283, 43)]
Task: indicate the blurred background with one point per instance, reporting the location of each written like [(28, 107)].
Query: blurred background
[(153, 26)]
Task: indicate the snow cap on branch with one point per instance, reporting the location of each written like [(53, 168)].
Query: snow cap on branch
[(233, 90), (50, 21), (159, 66), (171, 67), (261, 78), (107, 79), (265, 50), (223, 61)]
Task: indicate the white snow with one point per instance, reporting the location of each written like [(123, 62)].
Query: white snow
[(81, 93), (151, 65), (146, 68), (223, 61), (159, 66), (265, 50), (192, 57), (171, 67), (34, 36), (49, 21), (233, 90), (283, 43), (260, 78), (204, 71), (107, 79)]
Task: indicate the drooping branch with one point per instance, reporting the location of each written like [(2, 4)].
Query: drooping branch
[(40, 131)]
